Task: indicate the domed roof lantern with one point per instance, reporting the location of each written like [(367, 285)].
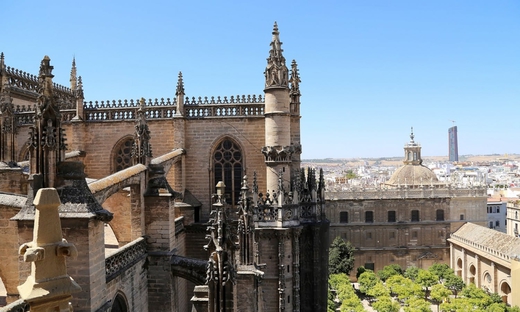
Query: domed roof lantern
[(412, 152)]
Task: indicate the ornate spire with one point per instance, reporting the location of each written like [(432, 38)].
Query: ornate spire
[(2, 63), (276, 72), (73, 75), (221, 267), (47, 138), (180, 86), (295, 83), (411, 136), (142, 149)]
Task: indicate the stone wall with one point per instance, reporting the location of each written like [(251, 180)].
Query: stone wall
[(201, 138), (404, 242), (472, 209), (485, 271), (9, 258), (132, 283), (12, 180)]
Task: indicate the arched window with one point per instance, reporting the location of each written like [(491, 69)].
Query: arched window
[(119, 304), (343, 217), (123, 154), (440, 215), (228, 168)]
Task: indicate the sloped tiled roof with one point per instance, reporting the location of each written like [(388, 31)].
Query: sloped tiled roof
[(488, 240)]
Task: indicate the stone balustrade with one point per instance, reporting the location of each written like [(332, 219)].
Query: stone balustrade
[(403, 192), (124, 258), (194, 108)]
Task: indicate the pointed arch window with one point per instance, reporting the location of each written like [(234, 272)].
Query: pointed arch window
[(228, 167)]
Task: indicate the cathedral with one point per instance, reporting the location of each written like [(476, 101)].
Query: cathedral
[(205, 196)]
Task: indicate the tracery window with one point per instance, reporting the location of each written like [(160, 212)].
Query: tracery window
[(123, 155), (228, 168)]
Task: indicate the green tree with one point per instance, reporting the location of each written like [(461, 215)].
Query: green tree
[(496, 307), (442, 270), (457, 305), (454, 283), (350, 174), (378, 290), (341, 257), (439, 293), (426, 279), (476, 296), (417, 305), (360, 271), (411, 273), (495, 298), (389, 271), (366, 281), (345, 293), (386, 304), (404, 288)]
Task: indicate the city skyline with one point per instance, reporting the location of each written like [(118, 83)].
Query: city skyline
[(369, 71)]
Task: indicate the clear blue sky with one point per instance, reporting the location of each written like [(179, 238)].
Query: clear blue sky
[(370, 69)]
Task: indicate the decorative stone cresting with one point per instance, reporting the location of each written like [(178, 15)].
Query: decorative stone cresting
[(48, 288)]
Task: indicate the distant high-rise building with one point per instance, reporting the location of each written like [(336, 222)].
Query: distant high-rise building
[(453, 144)]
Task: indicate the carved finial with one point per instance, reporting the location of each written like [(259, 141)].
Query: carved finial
[(73, 75), (46, 68), (411, 136), (276, 72), (180, 86), (79, 92), (2, 64)]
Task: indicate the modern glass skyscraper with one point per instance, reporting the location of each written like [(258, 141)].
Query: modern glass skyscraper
[(453, 144)]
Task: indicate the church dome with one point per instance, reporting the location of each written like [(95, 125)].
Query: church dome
[(413, 173)]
